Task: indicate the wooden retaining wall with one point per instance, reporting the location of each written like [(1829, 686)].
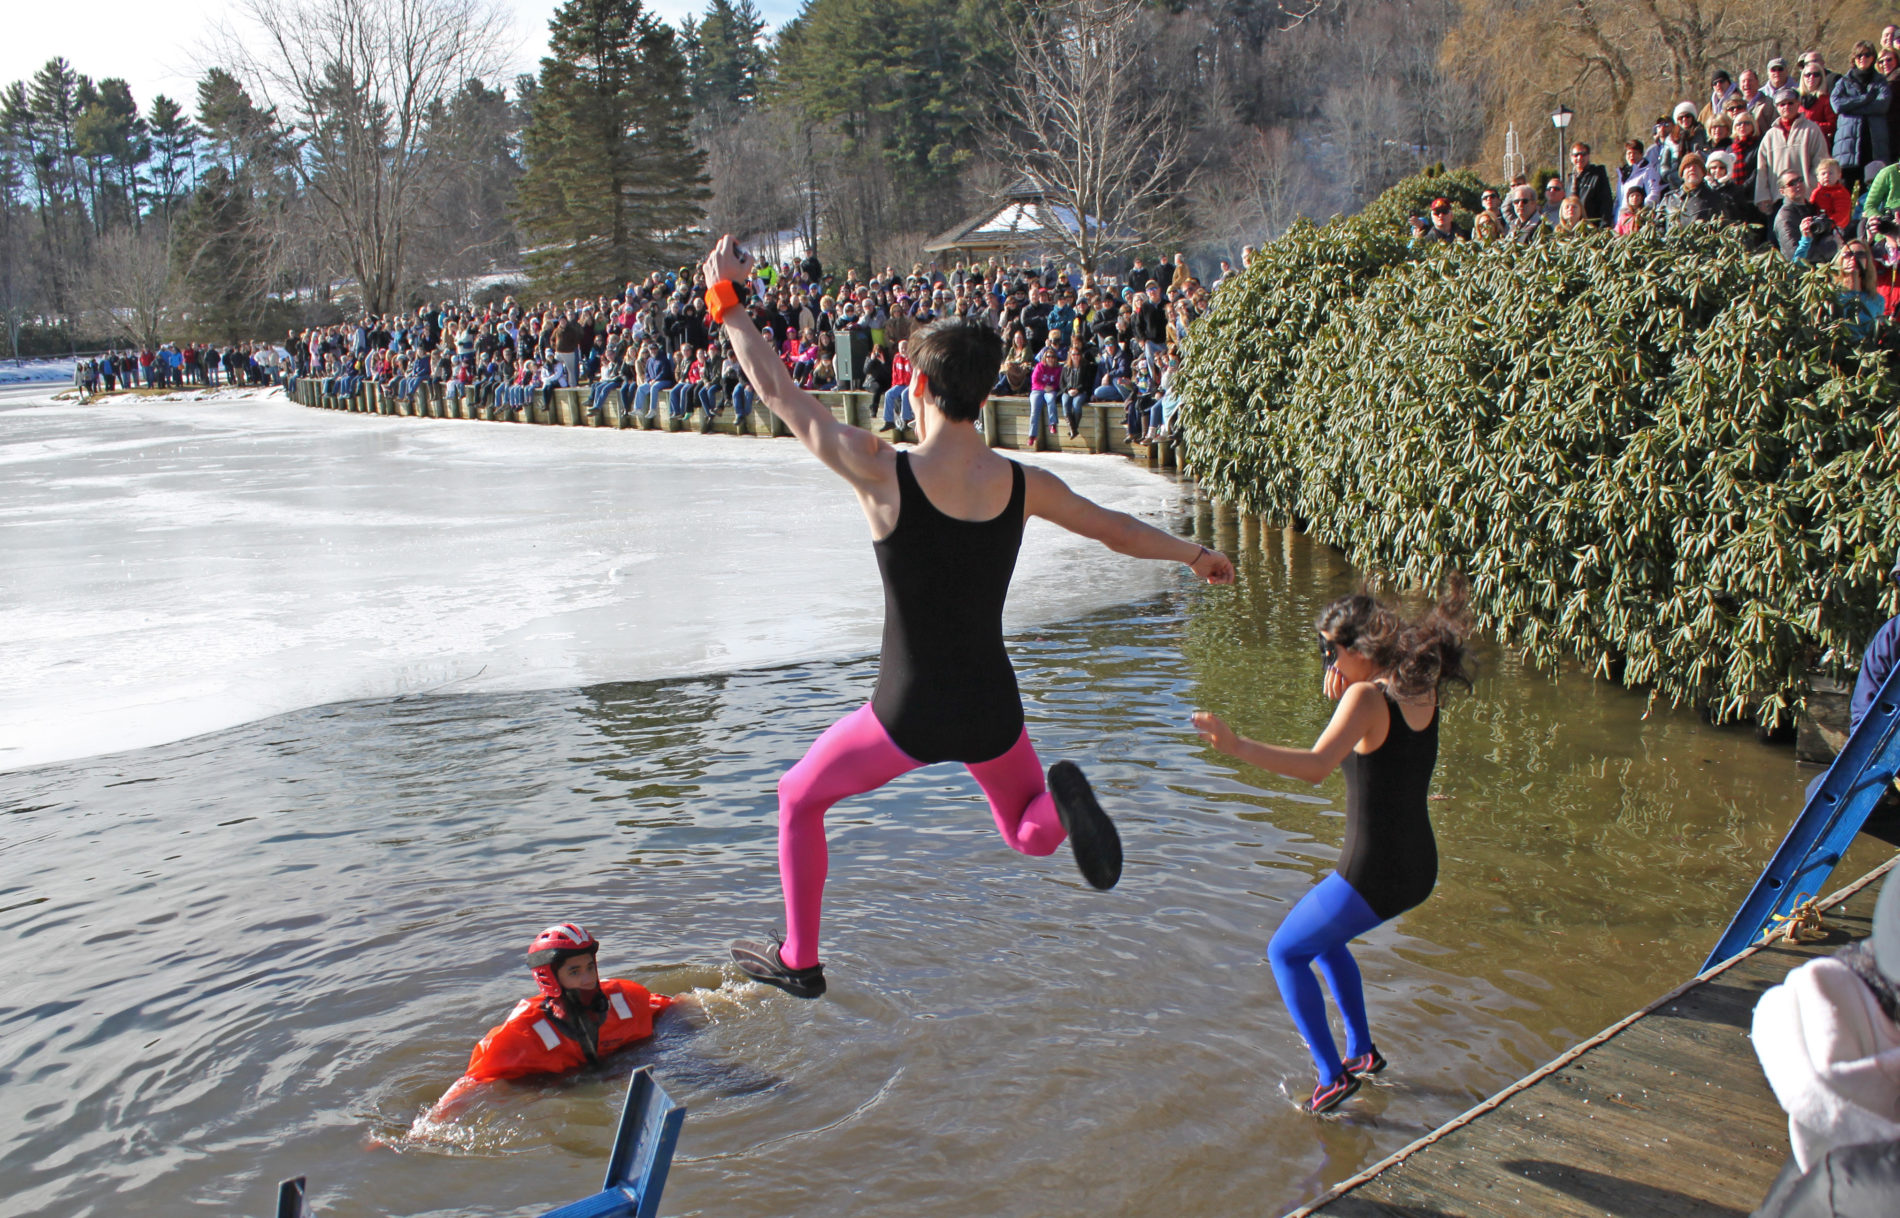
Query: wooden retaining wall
[(1005, 419)]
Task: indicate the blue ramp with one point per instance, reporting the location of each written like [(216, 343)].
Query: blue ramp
[(643, 1150), (1806, 858), (636, 1172)]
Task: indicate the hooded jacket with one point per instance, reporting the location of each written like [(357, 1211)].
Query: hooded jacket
[(1832, 1057)]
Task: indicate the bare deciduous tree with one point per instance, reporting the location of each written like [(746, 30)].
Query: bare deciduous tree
[(353, 83), (1081, 119), (131, 290)]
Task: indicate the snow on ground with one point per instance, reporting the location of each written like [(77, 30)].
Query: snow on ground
[(174, 565), (36, 371)]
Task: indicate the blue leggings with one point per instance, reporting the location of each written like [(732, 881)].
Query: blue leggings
[(1317, 931)]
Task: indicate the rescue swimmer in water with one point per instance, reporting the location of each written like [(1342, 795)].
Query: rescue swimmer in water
[(578, 1018)]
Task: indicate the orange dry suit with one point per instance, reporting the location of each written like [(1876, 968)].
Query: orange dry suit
[(540, 1037)]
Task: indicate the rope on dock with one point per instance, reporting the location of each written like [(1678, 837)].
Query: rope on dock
[(1497, 1101)]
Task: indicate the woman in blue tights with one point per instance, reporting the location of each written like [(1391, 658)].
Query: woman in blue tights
[(1386, 674)]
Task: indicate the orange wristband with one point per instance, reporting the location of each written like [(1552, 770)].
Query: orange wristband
[(720, 297)]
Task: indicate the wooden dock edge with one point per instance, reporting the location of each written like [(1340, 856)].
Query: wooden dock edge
[(1549, 1068)]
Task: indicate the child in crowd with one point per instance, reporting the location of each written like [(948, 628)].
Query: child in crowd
[(1635, 210), (1830, 195)]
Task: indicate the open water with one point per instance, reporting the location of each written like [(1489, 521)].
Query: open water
[(263, 949)]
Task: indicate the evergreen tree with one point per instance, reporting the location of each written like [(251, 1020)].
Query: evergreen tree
[(613, 185), (174, 145), (904, 78), (221, 255), (730, 64), (111, 136), (237, 130)]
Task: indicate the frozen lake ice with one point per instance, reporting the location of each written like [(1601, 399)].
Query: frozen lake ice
[(169, 568)]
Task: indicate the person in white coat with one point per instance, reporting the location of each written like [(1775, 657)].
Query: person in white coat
[(1829, 1041)]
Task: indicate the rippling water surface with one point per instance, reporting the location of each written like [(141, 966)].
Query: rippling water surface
[(263, 952)]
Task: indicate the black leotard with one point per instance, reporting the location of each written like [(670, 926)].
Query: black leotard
[(1390, 857), (945, 690)]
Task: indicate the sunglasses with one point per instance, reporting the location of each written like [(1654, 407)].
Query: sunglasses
[(1328, 651)]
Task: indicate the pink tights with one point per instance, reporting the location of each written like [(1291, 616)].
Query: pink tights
[(856, 755)]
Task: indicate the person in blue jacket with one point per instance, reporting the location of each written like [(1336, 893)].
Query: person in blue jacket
[(1876, 664)]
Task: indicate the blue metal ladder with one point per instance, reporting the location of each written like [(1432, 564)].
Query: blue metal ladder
[(1852, 786), (636, 1172)]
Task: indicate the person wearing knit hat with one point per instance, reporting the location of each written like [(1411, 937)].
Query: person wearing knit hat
[(1829, 1042)]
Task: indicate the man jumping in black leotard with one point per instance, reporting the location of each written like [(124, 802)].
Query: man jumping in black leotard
[(948, 519)]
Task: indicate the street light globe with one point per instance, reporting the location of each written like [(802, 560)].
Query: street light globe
[(1561, 119)]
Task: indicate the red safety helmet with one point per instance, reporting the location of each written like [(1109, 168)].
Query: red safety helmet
[(553, 947)]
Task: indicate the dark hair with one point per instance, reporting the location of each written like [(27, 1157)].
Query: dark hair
[(960, 361), (1420, 657)]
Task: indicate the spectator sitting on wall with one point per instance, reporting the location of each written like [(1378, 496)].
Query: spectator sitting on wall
[(1591, 185), (874, 377), (897, 397), (1114, 375)]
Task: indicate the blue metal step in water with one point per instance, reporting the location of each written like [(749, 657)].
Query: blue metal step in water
[(636, 1171), (1860, 775)]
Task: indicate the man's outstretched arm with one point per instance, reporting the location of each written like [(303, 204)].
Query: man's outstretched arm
[(852, 452), (1050, 498)]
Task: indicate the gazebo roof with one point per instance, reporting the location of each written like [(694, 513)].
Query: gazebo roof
[(1025, 220)]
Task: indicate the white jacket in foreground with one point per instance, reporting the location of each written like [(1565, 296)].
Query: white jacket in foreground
[(1832, 1057)]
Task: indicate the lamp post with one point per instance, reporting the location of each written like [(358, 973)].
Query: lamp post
[(1561, 122)]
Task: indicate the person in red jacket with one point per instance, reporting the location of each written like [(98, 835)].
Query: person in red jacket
[(576, 1020)]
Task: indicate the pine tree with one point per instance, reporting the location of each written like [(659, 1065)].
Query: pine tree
[(221, 256), (730, 59), (613, 186), (174, 142)]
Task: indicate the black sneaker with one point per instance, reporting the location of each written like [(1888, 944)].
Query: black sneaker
[(1366, 1063), (1092, 836), (760, 962), (1328, 1096)]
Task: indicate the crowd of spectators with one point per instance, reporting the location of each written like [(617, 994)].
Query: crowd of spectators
[(178, 366), (1072, 338), (1801, 156)]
